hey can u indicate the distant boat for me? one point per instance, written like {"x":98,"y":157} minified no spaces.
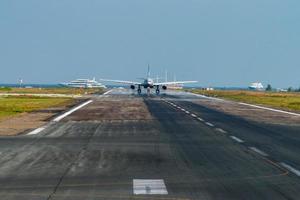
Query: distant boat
{"x":256,"y":86}
{"x":84,"y":83}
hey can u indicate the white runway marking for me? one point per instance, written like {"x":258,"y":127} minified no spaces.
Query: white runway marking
{"x":236,"y":139}
{"x":36,"y":131}
{"x":221,"y":130}
{"x":149,"y":186}
{"x":209,"y":124}
{"x":193,"y":115}
{"x":200,"y":119}
{"x":271,"y":109}
{"x":187,"y":112}
{"x":290,"y":168}
{"x":109,"y":91}
{"x":57,"y":119}
{"x":258,"y":151}
{"x":206,"y":97}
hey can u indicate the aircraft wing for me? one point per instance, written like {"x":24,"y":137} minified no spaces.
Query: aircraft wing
{"x":175,"y":82}
{"x":122,"y":82}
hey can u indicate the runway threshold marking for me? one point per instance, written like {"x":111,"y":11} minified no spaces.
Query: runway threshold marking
{"x":236,"y":139}
{"x":57,"y":119}
{"x":258,"y":151}
{"x":290,"y":168}
{"x":149,"y":187}
{"x":36,"y":131}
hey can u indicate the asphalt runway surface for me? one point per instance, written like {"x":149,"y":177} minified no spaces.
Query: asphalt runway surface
{"x":167,"y":147}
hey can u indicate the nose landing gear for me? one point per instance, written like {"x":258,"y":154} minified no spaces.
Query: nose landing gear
{"x":157,"y":90}
{"x":139,"y":90}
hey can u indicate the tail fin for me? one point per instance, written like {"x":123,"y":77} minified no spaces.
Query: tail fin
{"x":148,"y":74}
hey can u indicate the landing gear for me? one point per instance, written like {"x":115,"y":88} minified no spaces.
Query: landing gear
{"x":157,"y":90}
{"x":139,"y":90}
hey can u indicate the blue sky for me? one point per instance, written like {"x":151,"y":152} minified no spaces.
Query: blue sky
{"x":219,"y":43}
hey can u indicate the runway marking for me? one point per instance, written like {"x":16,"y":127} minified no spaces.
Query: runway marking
{"x":258,"y":151}
{"x":221,"y":130}
{"x":109,"y":91}
{"x":290,"y":168}
{"x":149,"y":186}
{"x":187,"y":112}
{"x":236,"y":139}
{"x":206,"y":97}
{"x":209,"y":124}
{"x":193,"y":115}
{"x":36,"y":131}
{"x":200,"y":119}
{"x":57,"y":119}
{"x":271,"y":109}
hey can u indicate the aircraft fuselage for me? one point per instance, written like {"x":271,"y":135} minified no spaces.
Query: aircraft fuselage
{"x":148,"y":83}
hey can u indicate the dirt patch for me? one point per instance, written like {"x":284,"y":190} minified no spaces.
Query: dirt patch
{"x":110,"y":109}
{"x":27,"y":121}
{"x":250,"y":113}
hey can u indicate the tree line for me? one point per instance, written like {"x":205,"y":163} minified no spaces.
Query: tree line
{"x":290,"y":89}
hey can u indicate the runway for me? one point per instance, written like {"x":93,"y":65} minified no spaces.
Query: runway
{"x":167,"y":147}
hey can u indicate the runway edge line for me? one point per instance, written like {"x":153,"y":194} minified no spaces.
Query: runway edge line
{"x":57,"y":119}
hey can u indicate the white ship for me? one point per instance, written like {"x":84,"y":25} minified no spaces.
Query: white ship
{"x":256,"y":86}
{"x":84,"y":83}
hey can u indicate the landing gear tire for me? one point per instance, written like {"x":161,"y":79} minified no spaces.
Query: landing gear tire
{"x":157,"y":92}
{"x":139,"y":91}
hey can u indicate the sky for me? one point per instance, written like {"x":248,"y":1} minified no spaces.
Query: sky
{"x":228,"y":43}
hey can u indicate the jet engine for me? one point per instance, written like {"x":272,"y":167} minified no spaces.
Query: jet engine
{"x":132,"y":87}
{"x":164,"y":87}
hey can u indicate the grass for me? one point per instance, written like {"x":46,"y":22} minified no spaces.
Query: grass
{"x":5,"y":89}
{"x":281,"y":100}
{"x":10,"y":106}
{"x":63,"y":90}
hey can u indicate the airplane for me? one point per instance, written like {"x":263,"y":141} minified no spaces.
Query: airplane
{"x":148,"y":83}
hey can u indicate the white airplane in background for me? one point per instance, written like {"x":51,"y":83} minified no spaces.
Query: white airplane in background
{"x":148,"y":83}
